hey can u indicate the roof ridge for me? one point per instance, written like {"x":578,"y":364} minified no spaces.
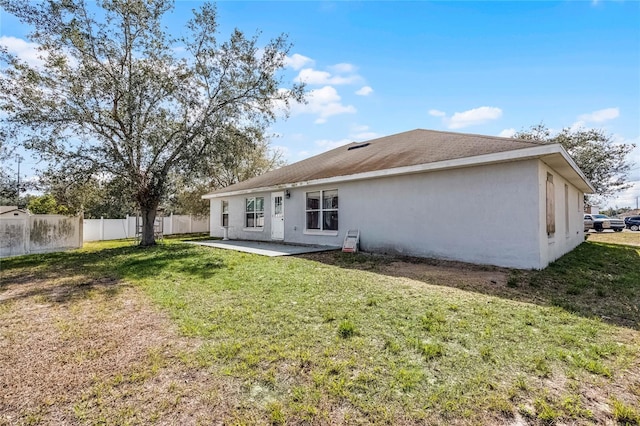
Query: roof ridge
{"x":477,"y":135}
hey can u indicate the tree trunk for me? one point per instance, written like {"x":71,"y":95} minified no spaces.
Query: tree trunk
{"x":148,"y":219}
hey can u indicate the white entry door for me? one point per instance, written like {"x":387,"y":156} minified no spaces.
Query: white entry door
{"x":277,"y":215}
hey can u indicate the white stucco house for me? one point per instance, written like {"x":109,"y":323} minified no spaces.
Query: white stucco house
{"x":472,"y":198}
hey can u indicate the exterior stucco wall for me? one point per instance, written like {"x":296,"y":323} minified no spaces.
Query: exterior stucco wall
{"x":485,"y":214}
{"x":237,"y":230}
{"x":569,"y":217}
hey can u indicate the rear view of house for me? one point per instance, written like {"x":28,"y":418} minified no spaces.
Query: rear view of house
{"x":473,"y":198}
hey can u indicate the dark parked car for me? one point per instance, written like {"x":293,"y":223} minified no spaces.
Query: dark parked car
{"x":602,"y":222}
{"x":632,"y":222}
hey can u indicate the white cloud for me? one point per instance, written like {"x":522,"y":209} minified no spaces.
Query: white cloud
{"x":577,"y":126}
{"x":280,"y":106}
{"x":364,"y":136}
{"x":327,"y":144}
{"x":626,"y":198}
{"x":359,"y":128}
{"x":601,"y":115}
{"x":507,"y":133}
{"x":325,"y":102}
{"x":297,"y":61}
{"x":364,"y":91}
{"x":315,"y":77}
{"x":474,"y":117}
{"x":24,"y":50}
{"x":596,"y":117}
{"x":343,"y":68}
{"x":437,"y":113}
{"x":357,"y":133}
{"x":325,"y":94}
{"x":360,"y":132}
{"x":633,"y":158}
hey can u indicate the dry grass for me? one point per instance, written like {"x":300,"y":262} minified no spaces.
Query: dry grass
{"x":626,"y":237}
{"x":83,"y":350}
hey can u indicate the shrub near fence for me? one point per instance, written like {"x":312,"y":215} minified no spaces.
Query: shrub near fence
{"x":115,"y":229}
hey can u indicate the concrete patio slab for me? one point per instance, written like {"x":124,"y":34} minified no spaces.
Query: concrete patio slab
{"x":264,"y":248}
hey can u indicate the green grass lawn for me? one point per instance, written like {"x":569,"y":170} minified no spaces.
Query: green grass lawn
{"x":341,"y":341}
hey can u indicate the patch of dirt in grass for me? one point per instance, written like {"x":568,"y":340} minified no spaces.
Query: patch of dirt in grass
{"x":466,"y":276}
{"x":83,"y":350}
{"x":453,"y":273}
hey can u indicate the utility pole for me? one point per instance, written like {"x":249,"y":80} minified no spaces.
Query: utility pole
{"x":18,"y":181}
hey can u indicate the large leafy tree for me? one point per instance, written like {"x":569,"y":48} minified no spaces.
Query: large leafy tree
{"x":91,"y":194}
{"x":603,"y":161}
{"x":46,"y":204}
{"x":115,"y":96}
{"x":240,"y":161}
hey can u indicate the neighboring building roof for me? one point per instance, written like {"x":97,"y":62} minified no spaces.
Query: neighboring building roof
{"x":12,"y":211}
{"x":4,"y":209}
{"x":407,"y":152}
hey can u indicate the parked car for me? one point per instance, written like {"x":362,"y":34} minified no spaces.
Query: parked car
{"x":588,"y":222}
{"x":632,"y":222}
{"x":602,"y":222}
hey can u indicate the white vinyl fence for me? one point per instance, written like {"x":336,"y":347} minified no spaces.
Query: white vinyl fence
{"x":115,"y":229}
{"x":41,"y":233}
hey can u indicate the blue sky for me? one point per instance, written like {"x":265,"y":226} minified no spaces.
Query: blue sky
{"x":378,"y":68}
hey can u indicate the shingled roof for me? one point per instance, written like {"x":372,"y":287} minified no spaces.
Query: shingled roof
{"x":412,"y":148}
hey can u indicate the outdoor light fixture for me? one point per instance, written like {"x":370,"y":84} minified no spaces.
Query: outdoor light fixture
{"x":287,"y":194}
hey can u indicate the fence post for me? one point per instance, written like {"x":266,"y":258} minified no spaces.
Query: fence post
{"x":101,"y":228}
{"x":190,"y":224}
{"x":126,"y":226}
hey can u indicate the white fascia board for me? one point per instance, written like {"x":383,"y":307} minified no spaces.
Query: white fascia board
{"x":575,"y":167}
{"x":498,"y":157}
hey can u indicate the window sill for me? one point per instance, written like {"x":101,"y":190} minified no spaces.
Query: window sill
{"x":253,"y":229}
{"x":324,"y":233}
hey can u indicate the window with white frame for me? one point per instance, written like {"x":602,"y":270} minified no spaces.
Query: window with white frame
{"x":322,"y":210}
{"x":254,"y":212}
{"x":225,"y":213}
